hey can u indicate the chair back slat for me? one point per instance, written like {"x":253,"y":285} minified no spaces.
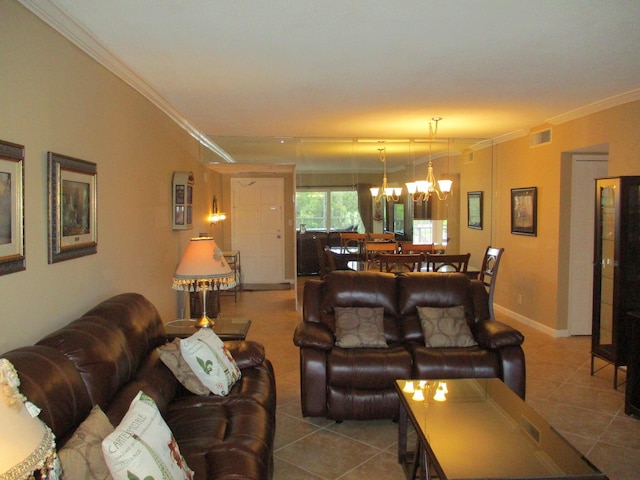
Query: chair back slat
{"x":448,"y":263}
{"x":489,"y":272}
{"x":400,"y":262}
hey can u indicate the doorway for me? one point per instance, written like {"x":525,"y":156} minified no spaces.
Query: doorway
{"x":585,"y":168}
{"x":258,"y":228}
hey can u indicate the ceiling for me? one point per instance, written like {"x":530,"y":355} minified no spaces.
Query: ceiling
{"x":320,"y":83}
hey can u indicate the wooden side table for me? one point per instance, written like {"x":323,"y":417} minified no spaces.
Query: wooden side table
{"x":225,"y":328}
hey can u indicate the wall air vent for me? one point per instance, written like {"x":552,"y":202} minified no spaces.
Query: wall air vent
{"x":540,"y":138}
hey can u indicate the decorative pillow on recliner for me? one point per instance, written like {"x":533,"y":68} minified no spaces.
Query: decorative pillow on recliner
{"x":445,"y":327}
{"x":360,"y":327}
{"x":143,"y":447}
{"x":210,"y":360}
{"x":170,"y":355}
{"x":81,"y":457}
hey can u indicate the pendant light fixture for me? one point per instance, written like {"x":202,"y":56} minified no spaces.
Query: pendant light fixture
{"x":422,"y":190}
{"x":391,"y":193}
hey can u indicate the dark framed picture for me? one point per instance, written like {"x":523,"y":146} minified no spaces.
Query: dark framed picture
{"x":12,"y":254}
{"x":524,"y":211}
{"x":474,"y":208}
{"x":73,"y":209}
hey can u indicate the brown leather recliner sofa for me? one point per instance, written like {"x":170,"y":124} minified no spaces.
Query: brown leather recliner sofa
{"x":109,"y":354}
{"x":358,"y":383}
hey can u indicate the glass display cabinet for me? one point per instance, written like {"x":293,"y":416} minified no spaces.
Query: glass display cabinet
{"x":616,"y":273}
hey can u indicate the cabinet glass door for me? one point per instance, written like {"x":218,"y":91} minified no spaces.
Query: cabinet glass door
{"x":607,"y":240}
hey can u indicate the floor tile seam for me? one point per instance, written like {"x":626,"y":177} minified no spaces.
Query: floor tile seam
{"x":315,"y":475}
{"x":362,"y":463}
{"x":615,"y":445}
{"x":293,"y":442}
{"x":356,"y":440}
{"x":585,"y":409}
{"x":568,"y":381}
{"x":599,"y":439}
{"x":304,"y":419}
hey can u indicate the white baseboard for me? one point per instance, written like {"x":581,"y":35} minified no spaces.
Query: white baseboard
{"x":531,"y":323}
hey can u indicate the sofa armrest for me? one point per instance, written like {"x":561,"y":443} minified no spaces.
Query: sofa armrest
{"x":313,"y":335}
{"x":493,"y":334}
{"x":246,"y":353}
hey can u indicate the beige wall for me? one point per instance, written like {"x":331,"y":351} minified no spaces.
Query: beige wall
{"x":55,"y":98}
{"x":536,"y":267}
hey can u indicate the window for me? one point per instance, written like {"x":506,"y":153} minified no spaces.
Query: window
{"x":328,"y":210}
{"x":430,"y":231}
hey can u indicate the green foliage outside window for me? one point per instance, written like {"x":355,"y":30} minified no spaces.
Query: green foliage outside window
{"x":328,"y":210}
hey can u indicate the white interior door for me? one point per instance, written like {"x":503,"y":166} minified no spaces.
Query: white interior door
{"x":583,"y":190}
{"x":258,"y":228}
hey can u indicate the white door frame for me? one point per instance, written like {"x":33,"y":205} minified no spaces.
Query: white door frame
{"x":584,"y":169}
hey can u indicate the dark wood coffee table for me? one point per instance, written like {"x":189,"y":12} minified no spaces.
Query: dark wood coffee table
{"x":482,"y":430}
{"x":225,"y":328}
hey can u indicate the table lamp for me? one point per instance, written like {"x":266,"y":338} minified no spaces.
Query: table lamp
{"x":203,"y":268}
{"x":27,"y":445}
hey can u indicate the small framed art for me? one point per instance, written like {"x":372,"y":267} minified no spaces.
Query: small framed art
{"x":73,"y":209}
{"x":474,"y":206}
{"x":12,"y":254}
{"x":524,"y":211}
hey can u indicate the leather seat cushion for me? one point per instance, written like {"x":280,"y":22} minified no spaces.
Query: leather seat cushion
{"x":367,"y":368}
{"x":462,"y":362}
{"x":212,"y":434}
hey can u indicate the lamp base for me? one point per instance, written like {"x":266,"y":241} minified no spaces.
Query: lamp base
{"x":204,"y":322}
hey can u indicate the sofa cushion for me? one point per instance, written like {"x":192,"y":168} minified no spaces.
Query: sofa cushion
{"x":367,"y":368}
{"x":360,"y":327}
{"x":221,"y":436}
{"x":445,"y":327}
{"x":81,"y":458}
{"x":456,"y":362}
{"x":170,"y":355}
{"x":210,"y":360}
{"x":142,"y":445}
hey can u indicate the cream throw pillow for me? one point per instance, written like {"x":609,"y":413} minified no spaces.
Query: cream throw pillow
{"x":81,"y":457}
{"x":210,"y":360}
{"x":143,"y":447}
{"x":445,"y":327}
{"x":170,"y":355}
{"x":360,"y":327}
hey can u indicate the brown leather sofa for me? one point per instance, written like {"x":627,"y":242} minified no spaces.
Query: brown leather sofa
{"x":358,"y":383}
{"x":109,"y":354}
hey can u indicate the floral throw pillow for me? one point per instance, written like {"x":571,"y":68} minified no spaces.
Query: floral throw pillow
{"x":81,"y":457}
{"x":445,"y":327}
{"x":170,"y":355}
{"x":210,"y":360}
{"x":358,"y":327}
{"x":143,"y":447}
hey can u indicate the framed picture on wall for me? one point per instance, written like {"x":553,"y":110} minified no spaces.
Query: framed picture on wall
{"x":474,"y":208}
{"x":524,"y":211}
{"x":12,"y":254}
{"x":73,"y":209}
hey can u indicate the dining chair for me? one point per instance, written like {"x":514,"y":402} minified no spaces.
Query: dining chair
{"x":410,"y":247}
{"x":350,"y":242}
{"x":447,"y":263}
{"x":374,"y":249}
{"x":382,"y":237}
{"x":400,"y":262}
{"x":489,"y":273}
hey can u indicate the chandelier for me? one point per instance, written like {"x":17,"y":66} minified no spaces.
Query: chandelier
{"x":421,"y":190}
{"x":391,"y":193}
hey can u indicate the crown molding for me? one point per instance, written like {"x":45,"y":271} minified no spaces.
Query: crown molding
{"x":59,"y":20}
{"x":596,"y":107}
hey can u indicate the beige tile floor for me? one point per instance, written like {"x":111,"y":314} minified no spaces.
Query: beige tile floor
{"x":585,"y":409}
